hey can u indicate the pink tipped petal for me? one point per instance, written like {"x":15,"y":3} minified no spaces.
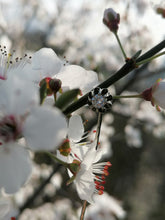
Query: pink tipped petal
{"x":76,"y":128}
{"x":15,"y":167}
{"x":47,"y":61}
{"x":45,"y":128}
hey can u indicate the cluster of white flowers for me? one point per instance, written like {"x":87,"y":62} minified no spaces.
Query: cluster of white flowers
{"x":30,"y":121}
{"x":26,"y":126}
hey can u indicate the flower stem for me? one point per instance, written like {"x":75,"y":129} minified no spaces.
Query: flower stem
{"x":55,"y":158}
{"x":150,"y":59}
{"x":83,"y":210}
{"x":127,"y":96}
{"x":120,"y":45}
{"x":99,"y":121}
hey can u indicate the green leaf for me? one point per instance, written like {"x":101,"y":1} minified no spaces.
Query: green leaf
{"x":67,"y":98}
{"x":43,"y":92}
{"x":137,"y":54}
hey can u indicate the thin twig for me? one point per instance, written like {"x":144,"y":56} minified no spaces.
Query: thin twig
{"x":83,"y":210}
{"x":98,"y":128}
{"x":125,"y":69}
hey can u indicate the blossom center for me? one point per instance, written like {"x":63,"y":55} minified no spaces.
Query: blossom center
{"x":10,"y":129}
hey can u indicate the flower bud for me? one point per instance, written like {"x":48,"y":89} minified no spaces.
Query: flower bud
{"x":156,"y":94}
{"x":161,"y":11}
{"x":111,"y":19}
{"x":55,"y":85}
{"x":52,"y":85}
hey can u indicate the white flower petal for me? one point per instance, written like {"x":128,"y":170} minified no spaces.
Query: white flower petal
{"x":4,"y":207}
{"x":47,"y":61}
{"x":76,"y":128}
{"x":85,"y":185}
{"x":158,"y":94}
{"x":15,"y":167}
{"x":90,"y":156}
{"x":77,"y":77}
{"x":17,"y":96}
{"x":27,"y":73}
{"x":45,"y":128}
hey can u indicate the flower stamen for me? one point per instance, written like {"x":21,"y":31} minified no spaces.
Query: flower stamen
{"x":100,"y":168}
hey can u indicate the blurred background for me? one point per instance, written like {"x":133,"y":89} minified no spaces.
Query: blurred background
{"x":132,"y":134}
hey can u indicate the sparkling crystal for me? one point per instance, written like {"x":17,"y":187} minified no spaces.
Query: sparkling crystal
{"x":98,"y":101}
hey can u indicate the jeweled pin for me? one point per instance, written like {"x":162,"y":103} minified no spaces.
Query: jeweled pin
{"x":100,"y":100}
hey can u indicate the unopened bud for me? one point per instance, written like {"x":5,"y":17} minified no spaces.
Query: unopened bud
{"x":111,"y":19}
{"x":161,"y":11}
{"x":147,"y":94}
{"x":52,"y":85}
{"x":55,"y":85}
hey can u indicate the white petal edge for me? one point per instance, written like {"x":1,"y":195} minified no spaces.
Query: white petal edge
{"x":74,"y":76}
{"x":47,"y":61}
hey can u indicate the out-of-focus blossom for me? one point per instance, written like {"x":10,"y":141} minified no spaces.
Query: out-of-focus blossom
{"x":133,"y":136}
{"x":74,"y":76}
{"x":111,"y":19}
{"x":43,"y":129}
{"x":60,"y":209}
{"x":7,"y":211}
{"x":4,"y":207}
{"x":106,"y":208}
{"x":155,"y":94}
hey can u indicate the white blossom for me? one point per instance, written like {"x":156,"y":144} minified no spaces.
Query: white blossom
{"x":43,"y":129}
{"x":45,"y":63}
{"x":106,"y":208}
{"x":90,"y":177}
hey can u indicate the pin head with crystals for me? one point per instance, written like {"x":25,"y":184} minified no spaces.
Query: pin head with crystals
{"x":100,"y":100}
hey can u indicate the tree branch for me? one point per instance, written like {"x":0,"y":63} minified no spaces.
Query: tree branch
{"x":125,"y":69}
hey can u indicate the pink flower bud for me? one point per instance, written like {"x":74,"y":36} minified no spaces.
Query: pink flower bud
{"x":111,"y":19}
{"x":156,"y":94}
